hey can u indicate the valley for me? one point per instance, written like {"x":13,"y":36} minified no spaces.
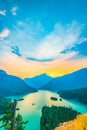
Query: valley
{"x":35,"y":98}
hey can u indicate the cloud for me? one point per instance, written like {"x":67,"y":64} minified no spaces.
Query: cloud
{"x":3,"y":12}
{"x":4,"y":33}
{"x":38,"y":45}
{"x":16,"y":50}
{"x":38,"y":60}
{"x":60,"y":39}
{"x":14,"y":10}
{"x":84,"y":39}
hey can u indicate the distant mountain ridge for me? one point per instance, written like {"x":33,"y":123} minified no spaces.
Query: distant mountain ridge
{"x":38,"y":81}
{"x":12,"y":85}
{"x":77,"y":79}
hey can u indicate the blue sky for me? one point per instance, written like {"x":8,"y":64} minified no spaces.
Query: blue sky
{"x":43,"y":30}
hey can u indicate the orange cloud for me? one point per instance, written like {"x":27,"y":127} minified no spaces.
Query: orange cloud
{"x":23,"y":68}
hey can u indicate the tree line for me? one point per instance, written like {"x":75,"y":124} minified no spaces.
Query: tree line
{"x":79,"y":94}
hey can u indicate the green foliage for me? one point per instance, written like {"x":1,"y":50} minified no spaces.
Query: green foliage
{"x":53,"y":116}
{"x":21,"y":99}
{"x":19,"y":123}
{"x":11,"y":121}
{"x":80,"y":94}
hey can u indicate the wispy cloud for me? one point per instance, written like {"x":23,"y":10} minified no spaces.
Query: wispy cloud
{"x":3,"y":12}
{"x":14,"y":10}
{"x":61,"y":38}
{"x":37,"y":45}
{"x":4,"y":33}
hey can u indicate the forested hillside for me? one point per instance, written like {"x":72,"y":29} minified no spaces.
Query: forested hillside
{"x":53,"y":116}
{"x":79,"y":94}
{"x":3,"y":103}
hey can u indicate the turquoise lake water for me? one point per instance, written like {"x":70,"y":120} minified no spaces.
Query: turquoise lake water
{"x":31,"y":106}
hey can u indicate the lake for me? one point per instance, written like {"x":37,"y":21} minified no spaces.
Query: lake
{"x":31,"y":106}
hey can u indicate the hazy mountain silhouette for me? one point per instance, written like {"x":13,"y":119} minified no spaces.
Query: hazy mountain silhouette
{"x":38,"y":81}
{"x":12,"y":85}
{"x":74,"y":80}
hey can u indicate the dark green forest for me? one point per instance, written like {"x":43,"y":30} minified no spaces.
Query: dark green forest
{"x":79,"y":94}
{"x":53,"y":116}
{"x":3,"y":103}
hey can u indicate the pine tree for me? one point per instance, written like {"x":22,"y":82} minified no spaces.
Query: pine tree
{"x":11,"y":121}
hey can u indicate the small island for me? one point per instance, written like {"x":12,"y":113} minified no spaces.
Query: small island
{"x":54,"y":98}
{"x":60,"y":99}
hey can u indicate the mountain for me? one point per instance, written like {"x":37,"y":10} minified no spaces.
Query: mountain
{"x":74,"y":80}
{"x":80,"y":123}
{"x":12,"y":85}
{"x":38,"y":81}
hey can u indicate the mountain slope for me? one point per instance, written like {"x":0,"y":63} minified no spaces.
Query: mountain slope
{"x":12,"y":85}
{"x":80,"y":123}
{"x":74,"y":80}
{"x":38,"y":81}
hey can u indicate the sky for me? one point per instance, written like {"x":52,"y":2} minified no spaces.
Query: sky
{"x":43,"y":36}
